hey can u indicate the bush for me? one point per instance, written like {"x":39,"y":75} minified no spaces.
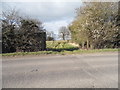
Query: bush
{"x":28,"y":37}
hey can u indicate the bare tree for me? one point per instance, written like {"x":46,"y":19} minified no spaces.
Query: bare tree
{"x":64,"y":33}
{"x":10,"y":20}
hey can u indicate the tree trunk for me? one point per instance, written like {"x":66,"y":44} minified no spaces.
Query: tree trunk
{"x":91,"y":46}
{"x":63,"y":37}
{"x":83,"y":43}
{"x":87,"y":44}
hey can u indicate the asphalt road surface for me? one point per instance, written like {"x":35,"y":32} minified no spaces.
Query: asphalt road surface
{"x":69,"y":71}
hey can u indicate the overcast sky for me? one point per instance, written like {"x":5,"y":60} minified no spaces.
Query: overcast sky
{"x":52,"y":14}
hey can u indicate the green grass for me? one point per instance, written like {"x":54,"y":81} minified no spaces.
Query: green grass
{"x":28,"y":53}
{"x":59,"y":45}
{"x":94,"y":50}
{"x":61,"y":48}
{"x":64,"y":52}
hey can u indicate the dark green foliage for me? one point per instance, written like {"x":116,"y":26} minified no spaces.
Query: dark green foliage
{"x":50,"y":38}
{"x":8,"y":39}
{"x":28,"y":37}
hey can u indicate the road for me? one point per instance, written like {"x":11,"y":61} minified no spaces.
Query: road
{"x":61,"y":71}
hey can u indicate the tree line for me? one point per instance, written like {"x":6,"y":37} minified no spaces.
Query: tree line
{"x":96,"y":25}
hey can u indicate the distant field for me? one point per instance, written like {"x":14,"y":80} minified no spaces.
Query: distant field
{"x":60,"y":47}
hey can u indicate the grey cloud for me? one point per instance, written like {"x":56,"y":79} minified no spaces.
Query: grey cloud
{"x":47,"y":11}
{"x":52,"y":14}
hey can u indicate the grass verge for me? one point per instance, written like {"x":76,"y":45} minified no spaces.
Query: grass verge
{"x":63,"y":52}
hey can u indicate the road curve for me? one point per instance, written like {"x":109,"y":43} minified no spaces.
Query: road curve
{"x":68,"y":71}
